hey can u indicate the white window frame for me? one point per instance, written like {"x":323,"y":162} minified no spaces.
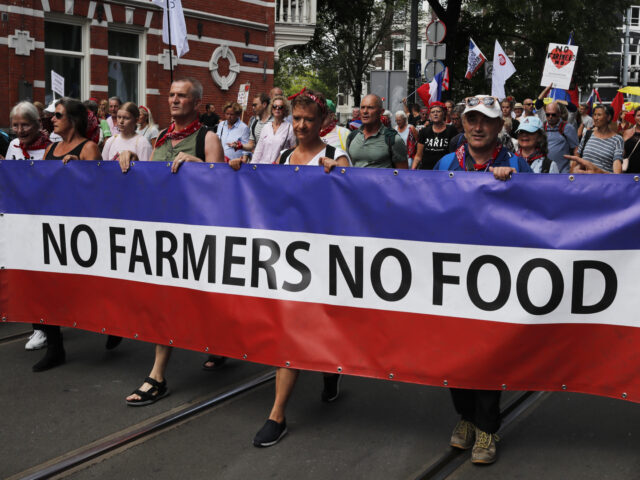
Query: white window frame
{"x":635,"y":10}
{"x":141,"y":32}
{"x":83,"y":54}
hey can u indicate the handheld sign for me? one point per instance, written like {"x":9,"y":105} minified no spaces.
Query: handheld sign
{"x":558,"y":66}
{"x":57,"y":83}
{"x":243,"y":95}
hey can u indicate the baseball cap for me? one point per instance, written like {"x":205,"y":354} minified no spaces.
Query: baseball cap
{"x":530,"y":124}
{"x":485,"y":104}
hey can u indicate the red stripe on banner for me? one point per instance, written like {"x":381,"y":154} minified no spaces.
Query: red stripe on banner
{"x":426,"y":349}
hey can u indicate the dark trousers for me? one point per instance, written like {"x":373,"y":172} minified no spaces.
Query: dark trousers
{"x":480,"y":407}
{"x":54,"y":336}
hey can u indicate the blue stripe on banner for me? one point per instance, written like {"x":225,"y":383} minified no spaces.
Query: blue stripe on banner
{"x":593,"y":212}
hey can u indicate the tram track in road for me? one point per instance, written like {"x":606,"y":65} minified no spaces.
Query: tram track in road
{"x":453,"y":459}
{"x":15,"y":336}
{"x":89,"y":453}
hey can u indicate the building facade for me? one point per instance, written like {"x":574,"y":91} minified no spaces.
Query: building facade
{"x":115,"y":47}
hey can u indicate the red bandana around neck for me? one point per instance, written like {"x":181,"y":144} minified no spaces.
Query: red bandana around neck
{"x":171,"y":133}
{"x":328,"y":128}
{"x":532,"y":158}
{"x":40,"y":143}
{"x":461,"y":154}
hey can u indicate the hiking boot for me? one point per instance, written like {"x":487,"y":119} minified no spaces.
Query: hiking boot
{"x":463,"y":435}
{"x":484,"y":450}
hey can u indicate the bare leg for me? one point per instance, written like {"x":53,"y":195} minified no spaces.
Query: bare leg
{"x":163,"y":353}
{"x":285,"y":381}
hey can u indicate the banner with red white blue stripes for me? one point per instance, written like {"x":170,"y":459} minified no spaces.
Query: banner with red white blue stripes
{"x":428,"y":277}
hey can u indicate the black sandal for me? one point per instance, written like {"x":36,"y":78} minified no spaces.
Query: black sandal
{"x":217,"y":363}
{"x":157,"y":391}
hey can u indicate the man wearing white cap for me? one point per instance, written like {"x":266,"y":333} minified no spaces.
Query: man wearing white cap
{"x":480,"y":409}
{"x":482,"y":122}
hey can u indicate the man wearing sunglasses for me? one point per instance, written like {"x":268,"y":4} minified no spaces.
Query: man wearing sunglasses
{"x":527,"y":111}
{"x":482,"y":122}
{"x":561,"y":136}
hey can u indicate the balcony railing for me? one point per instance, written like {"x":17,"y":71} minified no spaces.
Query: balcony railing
{"x":296,"y":12}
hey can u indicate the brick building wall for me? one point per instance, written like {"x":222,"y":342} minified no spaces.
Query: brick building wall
{"x":245,"y":26}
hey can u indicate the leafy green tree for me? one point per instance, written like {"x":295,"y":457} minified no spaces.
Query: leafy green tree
{"x":347,"y":37}
{"x":524,"y":28}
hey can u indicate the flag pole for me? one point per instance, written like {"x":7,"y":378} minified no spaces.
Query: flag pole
{"x":170,"y":43}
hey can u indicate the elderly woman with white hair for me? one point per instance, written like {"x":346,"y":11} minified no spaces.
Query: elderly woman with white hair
{"x":408,"y":133}
{"x":31,"y":141}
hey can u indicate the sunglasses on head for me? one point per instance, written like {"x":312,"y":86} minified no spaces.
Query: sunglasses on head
{"x":487,"y":101}
{"x":58,"y":115}
{"x":278,"y":107}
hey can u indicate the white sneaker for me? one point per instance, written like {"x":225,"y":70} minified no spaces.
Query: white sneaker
{"x":37,"y":340}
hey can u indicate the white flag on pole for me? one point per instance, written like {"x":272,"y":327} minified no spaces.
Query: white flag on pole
{"x":57,"y":83}
{"x":502,"y":70}
{"x":178,"y":26}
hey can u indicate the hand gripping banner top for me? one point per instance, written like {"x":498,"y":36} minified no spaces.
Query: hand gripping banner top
{"x":437,"y":278}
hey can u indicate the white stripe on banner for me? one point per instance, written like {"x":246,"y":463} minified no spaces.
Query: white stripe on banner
{"x":505,"y":284}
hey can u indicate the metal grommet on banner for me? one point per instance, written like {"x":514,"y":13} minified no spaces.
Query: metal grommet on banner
{"x":244,"y":357}
{"x":395,"y":172}
{"x":42,"y":320}
{"x":339,"y":369}
{"x":624,"y":395}
{"x":564,"y":387}
{"x":4,"y":319}
{"x":571,"y":178}
{"x":2,"y":267}
{"x":504,"y":386}
{"x":255,"y":167}
{"x":168,"y":164}
{"x":344,"y":170}
{"x":135,"y":335}
{"x":1,"y":214}
{"x":391,"y":376}
{"x":170,"y":342}
{"x":75,"y":324}
{"x":287,"y":364}
{"x":206,"y":349}
{"x":636,"y":178}
{"x":31,"y":164}
{"x":450,"y":174}
{"x":103,"y":330}
{"x":100,"y":163}
{"x":296,"y":169}
{"x":445,"y":383}
{"x":211,"y":166}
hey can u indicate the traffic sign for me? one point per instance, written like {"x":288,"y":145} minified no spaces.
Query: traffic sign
{"x":436,"y":31}
{"x":432,"y":68}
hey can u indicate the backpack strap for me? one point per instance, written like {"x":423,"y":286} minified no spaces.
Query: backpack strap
{"x":254,"y":124}
{"x":330,"y":152}
{"x":546,"y":165}
{"x":390,"y":139}
{"x":285,"y":155}
{"x":350,"y":137}
{"x":202,"y":133}
{"x":587,"y":136}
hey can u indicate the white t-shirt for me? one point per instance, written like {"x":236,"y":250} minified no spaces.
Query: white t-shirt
{"x":337,"y":137}
{"x":14,"y":152}
{"x":315,"y":161}
{"x":136,"y":144}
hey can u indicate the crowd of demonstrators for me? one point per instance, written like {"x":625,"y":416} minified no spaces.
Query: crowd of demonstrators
{"x":481,"y":134}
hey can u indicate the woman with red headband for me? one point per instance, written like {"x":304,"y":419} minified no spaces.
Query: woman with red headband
{"x":309,"y":112}
{"x":433,"y":140}
{"x":146,"y":126}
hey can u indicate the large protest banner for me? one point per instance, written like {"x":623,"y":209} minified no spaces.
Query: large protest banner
{"x":428,"y":277}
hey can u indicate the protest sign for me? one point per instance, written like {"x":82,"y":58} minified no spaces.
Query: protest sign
{"x":558,"y":66}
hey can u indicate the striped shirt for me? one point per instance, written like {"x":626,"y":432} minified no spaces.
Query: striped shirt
{"x":602,"y":152}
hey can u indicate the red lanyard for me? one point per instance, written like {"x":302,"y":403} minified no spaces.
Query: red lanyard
{"x":461,"y":154}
